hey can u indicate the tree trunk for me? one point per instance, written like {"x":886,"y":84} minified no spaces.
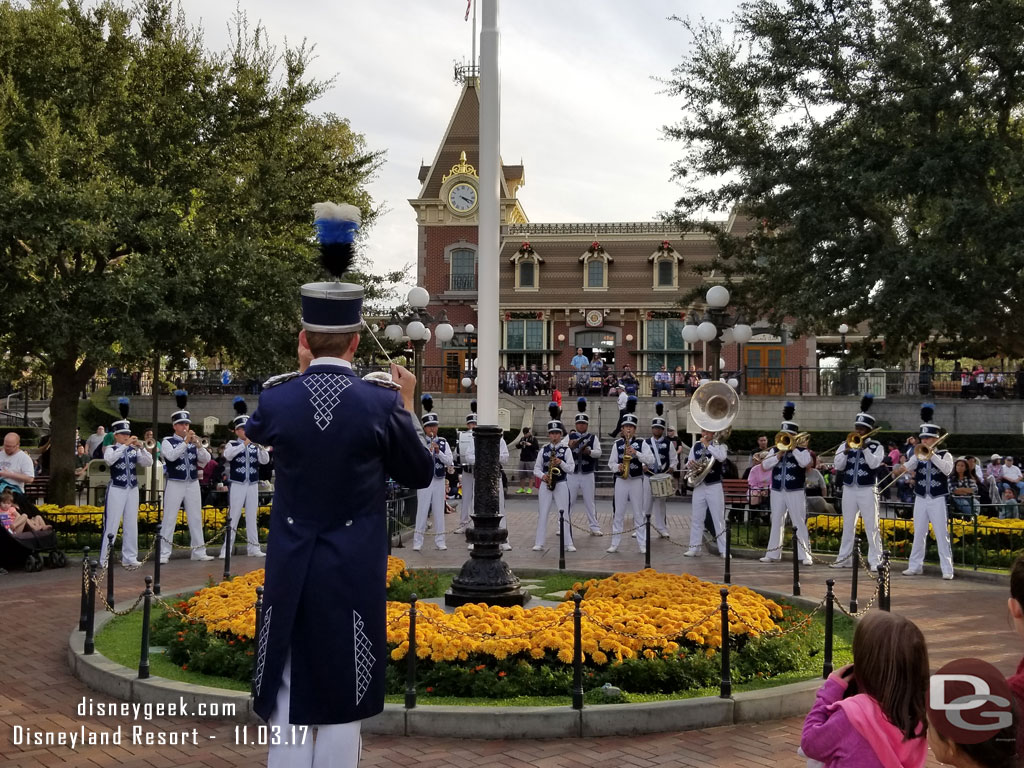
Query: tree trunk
{"x":67,"y":384}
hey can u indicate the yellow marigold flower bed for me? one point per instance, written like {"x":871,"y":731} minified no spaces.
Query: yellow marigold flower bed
{"x":87,"y":514}
{"x":626,"y":615}
{"x":231,"y":605}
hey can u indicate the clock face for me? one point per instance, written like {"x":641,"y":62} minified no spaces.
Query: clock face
{"x":462,"y":197}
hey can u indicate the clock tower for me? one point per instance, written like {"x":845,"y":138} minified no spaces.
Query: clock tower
{"x":447,"y":217}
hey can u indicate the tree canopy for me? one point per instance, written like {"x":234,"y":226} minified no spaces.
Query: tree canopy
{"x":876,"y":148}
{"x":156,"y":196}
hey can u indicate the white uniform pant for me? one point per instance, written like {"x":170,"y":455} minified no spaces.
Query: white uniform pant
{"x":244,"y":495}
{"x":468,"y":498}
{"x":430,"y":500}
{"x":336,"y":746}
{"x":122,"y":503}
{"x":583,"y":483}
{"x":629,"y":492}
{"x":553,"y":501}
{"x":656,"y":508}
{"x":708,"y":498}
{"x":931,"y":509}
{"x":863,"y":501}
{"x":795,"y":504}
{"x":176,"y":492}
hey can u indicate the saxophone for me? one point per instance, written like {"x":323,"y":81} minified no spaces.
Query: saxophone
{"x":626,"y":460}
{"x":554,"y":473}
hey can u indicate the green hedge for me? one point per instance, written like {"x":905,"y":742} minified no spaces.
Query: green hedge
{"x":29,"y":435}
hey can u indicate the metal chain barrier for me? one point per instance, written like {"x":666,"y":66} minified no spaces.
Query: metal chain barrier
{"x":863,"y":610}
{"x":802,"y":624}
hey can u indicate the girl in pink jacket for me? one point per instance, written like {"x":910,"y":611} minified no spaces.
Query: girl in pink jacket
{"x":872,"y":714}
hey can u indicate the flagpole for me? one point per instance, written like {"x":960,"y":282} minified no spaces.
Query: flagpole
{"x":490,"y":214}
{"x":473,"y":62}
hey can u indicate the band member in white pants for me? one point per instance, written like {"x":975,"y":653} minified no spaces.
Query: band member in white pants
{"x":121,"y":508}
{"x":586,"y":450}
{"x":183,"y":456}
{"x":787,"y":496}
{"x":430,"y":500}
{"x":931,"y":487}
{"x":859,"y":468}
{"x":708,"y":495}
{"x":467,"y":455}
{"x":659,"y":456}
{"x":554,"y":464}
{"x":244,"y":458}
{"x":629,"y":490}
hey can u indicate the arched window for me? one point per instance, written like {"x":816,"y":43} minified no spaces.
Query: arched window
{"x":666,"y":262}
{"x":595,"y":267}
{"x":463,"y":270}
{"x":526,"y":264}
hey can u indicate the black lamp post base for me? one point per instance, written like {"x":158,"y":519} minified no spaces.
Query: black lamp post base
{"x":486,"y":577}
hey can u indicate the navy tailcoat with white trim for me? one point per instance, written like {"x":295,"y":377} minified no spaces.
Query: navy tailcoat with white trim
{"x":336,"y":439}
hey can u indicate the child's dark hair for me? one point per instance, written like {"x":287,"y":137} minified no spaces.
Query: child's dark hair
{"x":7,"y":496}
{"x":1000,"y":751}
{"x":891,"y":665}
{"x":1017,"y":580}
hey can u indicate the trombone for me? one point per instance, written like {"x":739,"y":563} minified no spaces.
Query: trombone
{"x":787,"y":442}
{"x":854,"y":442}
{"x":923,"y":453}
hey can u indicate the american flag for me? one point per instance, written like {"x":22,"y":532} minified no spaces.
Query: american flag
{"x":469,"y":4}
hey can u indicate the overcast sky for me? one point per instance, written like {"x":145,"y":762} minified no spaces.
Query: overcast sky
{"x":580,"y":103}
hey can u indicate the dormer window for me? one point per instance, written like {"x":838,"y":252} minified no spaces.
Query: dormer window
{"x":666,"y":263}
{"x":526,"y":264}
{"x":595,"y":267}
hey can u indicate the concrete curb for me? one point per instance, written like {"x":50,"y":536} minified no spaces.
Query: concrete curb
{"x":111,"y":679}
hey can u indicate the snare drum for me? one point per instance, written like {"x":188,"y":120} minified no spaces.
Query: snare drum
{"x":662,"y":485}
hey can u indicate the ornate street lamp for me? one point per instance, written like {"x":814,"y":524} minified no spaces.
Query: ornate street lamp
{"x":715,"y":328}
{"x":470,"y":375}
{"x":415,"y":327}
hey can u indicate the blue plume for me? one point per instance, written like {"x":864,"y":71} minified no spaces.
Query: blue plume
{"x":866,"y":401}
{"x":241,"y":407}
{"x":631,"y":404}
{"x":659,"y":407}
{"x":181,"y":397}
{"x":789,"y":410}
{"x":428,"y":402}
{"x":581,"y":404}
{"x":122,"y":406}
{"x":927,"y":411}
{"x":554,"y":410}
{"x":336,"y":229}
{"x":330,"y":231}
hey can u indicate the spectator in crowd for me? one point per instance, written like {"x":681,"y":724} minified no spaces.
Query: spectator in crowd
{"x":994,"y":468}
{"x":1016,"y":606}
{"x":581,"y":364}
{"x":522,"y":380}
{"x":43,"y":459}
{"x":16,"y":467}
{"x":964,"y":488}
{"x":758,"y":480}
{"x":14,"y":520}
{"x":678,"y":380}
{"x":662,"y":382}
{"x":1011,"y":475}
{"x":974,"y":470}
{"x":623,"y":402}
{"x":681,"y":450}
{"x":873,"y":712}
{"x":905,"y":487}
{"x":814,"y":490}
{"x":81,"y":463}
{"x":597,"y":367}
{"x":692,"y":380}
{"x":528,"y":450}
{"x":95,"y":440}
{"x":610,"y":385}
{"x":925,"y":377}
{"x":1009,"y":508}
{"x":909,"y":446}
{"x":628,"y":381}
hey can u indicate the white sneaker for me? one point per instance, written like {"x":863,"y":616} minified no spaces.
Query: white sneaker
{"x":538,"y":548}
{"x":947,"y":576}
{"x":597,"y":532}
{"x":840,"y":565}
{"x":259,"y":553}
{"x":570,"y":548}
{"x":201,"y":558}
{"x":131,"y":563}
{"x":506,"y":547}
{"x":469,"y":547}
{"x":633,"y":534}
{"x":461,"y":529}
{"x":220,"y":556}
{"x":722,"y":555}
{"x":416,"y":549}
{"x":441,"y":547}
{"x":808,"y":561}
{"x":612,"y":550}
{"x":164,"y":560}
{"x":643,"y":550}
{"x":663,"y":535}
{"x":767,"y":559}
{"x":912,"y":572}
{"x":691,"y":553}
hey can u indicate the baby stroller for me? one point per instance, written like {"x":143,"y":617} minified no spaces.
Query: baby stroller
{"x":30,"y":550}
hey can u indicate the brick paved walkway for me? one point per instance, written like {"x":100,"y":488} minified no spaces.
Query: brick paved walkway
{"x":37,"y":611}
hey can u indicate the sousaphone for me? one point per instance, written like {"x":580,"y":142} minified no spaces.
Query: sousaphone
{"x":713,"y":407}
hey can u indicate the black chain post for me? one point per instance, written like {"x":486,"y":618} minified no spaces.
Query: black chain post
{"x":796,"y":564}
{"x":577,"y":652}
{"x":856,"y":567}
{"x":110,"y":570}
{"x":728,"y":552}
{"x":259,"y":629}
{"x":147,"y":599}
{"x":158,"y":554}
{"x":83,"y":614}
{"x":647,"y":544}
{"x":410,"y":657}
{"x":826,"y":667}
{"x":886,"y":597}
{"x":90,"y":624}
{"x":561,"y":539}
{"x":725,"y":691}
{"x":228,"y":546}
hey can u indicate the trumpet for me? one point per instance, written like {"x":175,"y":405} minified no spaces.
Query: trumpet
{"x":150,"y":444}
{"x":787,"y":442}
{"x":202,"y":442}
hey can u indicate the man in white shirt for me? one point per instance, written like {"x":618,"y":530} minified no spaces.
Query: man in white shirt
{"x":94,"y":440}
{"x":16,"y":467}
{"x":1011,"y":476}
